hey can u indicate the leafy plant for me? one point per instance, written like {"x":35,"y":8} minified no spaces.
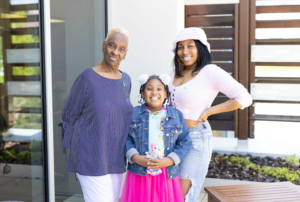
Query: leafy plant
{"x":216,"y":159}
{"x":282,"y":173}
{"x":291,"y":160}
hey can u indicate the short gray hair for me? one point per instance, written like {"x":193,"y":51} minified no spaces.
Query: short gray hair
{"x":120,"y":30}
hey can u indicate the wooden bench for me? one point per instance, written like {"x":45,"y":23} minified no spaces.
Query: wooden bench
{"x":261,"y":192}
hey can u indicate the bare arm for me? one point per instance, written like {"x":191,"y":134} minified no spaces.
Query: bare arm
{"x":140,"y":159}
{"x":229,"y":105}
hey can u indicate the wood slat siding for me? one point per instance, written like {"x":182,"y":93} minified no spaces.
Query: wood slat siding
{"x":221,"y":124}
{"x":278,"y":42}
{"x":23,"y":31}
{"x":219,"y":32}
{"x":209,"y":9}
{"x":26,"y":45}
{"x":277,"y":9}
{"x":278,"y":24}
{"x":266,"y":192}
{"x":30,"y":18}
{"x":223,"y":116}
{"x":223,"y":56}
{"x":210,"y":21}
{"x":221,"y":44}
{"x":219,"y":99}
{"x":24,"y":7}
{"x":228,"y":67}
{"x":253,"y":79}
{"x":277,"y":63}
{"x":195,"y":16}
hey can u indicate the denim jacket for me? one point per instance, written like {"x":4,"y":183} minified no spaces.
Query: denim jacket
{"x":176,"y":140}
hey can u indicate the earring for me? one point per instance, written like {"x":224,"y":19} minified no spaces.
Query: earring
{"x":141,"y":100}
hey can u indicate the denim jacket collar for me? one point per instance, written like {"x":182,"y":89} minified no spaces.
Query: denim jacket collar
{"x":170,"y":112}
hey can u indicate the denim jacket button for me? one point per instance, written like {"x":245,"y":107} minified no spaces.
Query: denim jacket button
{"x":166,"y":118}
{"x":168,"y":148}
{"x":167,"y":134}
{"x":171,"y":176}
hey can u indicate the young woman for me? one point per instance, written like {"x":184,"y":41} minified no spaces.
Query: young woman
{"x":195,"y":83}
{"x":160,"y":129}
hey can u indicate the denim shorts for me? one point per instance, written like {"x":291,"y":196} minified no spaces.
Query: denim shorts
{"x":194,"y":166}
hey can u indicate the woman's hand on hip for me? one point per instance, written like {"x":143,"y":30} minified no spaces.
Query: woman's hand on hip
{"x":229,"y":105}
{"x":155,"y":164}
{"x":203,"y":117}
{"x":141,"y":160}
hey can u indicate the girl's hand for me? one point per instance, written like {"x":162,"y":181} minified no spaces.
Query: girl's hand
{"x":155,"y":164}
{"x":140,"y":159}
{"x":203,"y":117}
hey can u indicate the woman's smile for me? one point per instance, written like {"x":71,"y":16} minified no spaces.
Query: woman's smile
{"x":112,"y":58}
{"x":186,"y":59}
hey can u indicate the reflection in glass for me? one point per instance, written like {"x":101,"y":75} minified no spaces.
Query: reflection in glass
{"x":277,"y":16}
{"x":277,"y":71}
{"x":77,"y":35}
{"x":281,"y":109}
{"x":277,"y":33}
{"x":276,"y":2}
{"x":21,"y":139}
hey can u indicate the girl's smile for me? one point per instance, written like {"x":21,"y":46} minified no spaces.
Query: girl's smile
{"x":154,"y":94}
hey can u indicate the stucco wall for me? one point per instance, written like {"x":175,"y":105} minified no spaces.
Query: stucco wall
{"x":152,"y":26}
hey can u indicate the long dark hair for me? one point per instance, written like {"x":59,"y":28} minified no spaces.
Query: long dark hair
{"x":204,"y":58}
{"x":142,"y":88}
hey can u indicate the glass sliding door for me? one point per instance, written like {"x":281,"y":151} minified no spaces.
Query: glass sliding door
{"x":77,"y":34}
{"x":21,"y":128}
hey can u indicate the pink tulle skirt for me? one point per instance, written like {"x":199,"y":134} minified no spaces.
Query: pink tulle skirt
{"x":151,"y":188}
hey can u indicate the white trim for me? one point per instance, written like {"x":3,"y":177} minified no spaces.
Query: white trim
{"x":205,"y":2}
{"x":49,"y":108}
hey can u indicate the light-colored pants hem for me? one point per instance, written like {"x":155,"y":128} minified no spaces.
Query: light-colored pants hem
{"x":104,"y":188}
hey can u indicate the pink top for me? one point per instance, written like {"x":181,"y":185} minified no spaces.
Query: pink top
{"x":196,"y":95}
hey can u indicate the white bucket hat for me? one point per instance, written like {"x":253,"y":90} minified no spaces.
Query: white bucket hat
{"x":191,"y":33}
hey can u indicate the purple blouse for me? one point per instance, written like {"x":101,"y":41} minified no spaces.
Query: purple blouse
{"x":96,"y":119}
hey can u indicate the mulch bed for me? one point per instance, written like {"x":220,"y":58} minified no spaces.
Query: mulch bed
{"x":222,"y":170}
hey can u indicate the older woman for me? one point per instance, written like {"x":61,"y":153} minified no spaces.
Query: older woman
{"x":194,"y":85}
{"x":96,"y":119}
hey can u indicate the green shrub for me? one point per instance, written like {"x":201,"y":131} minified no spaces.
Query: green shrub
{"x":291,"y":160}
{"x":277,"y":172}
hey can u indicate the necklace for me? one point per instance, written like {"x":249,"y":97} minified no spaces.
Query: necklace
{"x":154,"y":114}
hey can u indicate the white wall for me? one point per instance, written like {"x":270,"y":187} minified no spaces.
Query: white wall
{"x":152,"y":25}
{"x":202,"y":2}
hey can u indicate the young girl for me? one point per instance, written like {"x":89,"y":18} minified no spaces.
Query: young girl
{"x":158,"y":128}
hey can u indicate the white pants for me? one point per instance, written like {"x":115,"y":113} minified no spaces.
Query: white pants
{"x":104,"y":188}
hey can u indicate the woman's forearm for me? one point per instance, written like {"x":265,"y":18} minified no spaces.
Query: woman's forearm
{"x":229,"y":105}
